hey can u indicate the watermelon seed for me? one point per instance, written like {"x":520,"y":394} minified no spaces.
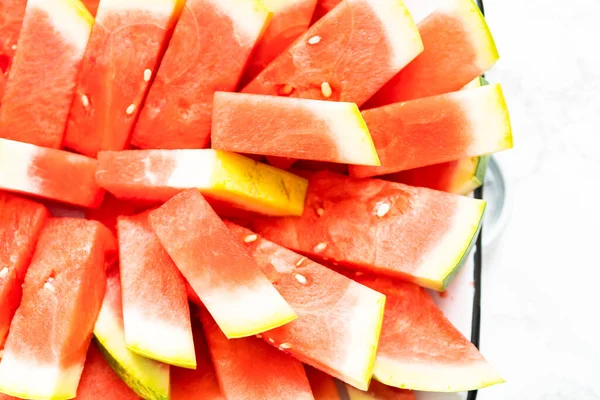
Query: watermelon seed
{"x":14,"y":47}
{"x":320,"y":247}
{"x":284,"y":346}
{"x":271,"y":340}
{"x":320,"y":212}
{"x":259,"y":336}
{"x":49,"y":284}
{"x":300,"y":278}
{"x":286,"y":90}
{"x":147,"y":75}
{"x":358,"y":273}
{"x":85,"y":101}
{"x":250,"y":238}
{"x":4,"y":272}
{"x":314,"y":40}
{"x":300,"y":261}
{"x":382,"y":209}
{"x":130,"y":109}
{"x":326,"y":89}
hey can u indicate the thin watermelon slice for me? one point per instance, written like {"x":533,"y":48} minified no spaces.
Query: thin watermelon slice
{"x":208,"y":52}
{"x":148,"y":378}
{"x":291,"y":19}
{"x":346,"y":315}
{"x":250,"y":369}
{"x":388,"y":228}
{"x":334,"y":59}
{"x":419,"y":348}
{"x":458,"y":48}
{"x":20,"y":223}
{"x":158,"y":175}
{"x":323,"y":386}
{"x":228,"y":281}
{"x":126,"y":45}
{"x":52,"y":328}
{"x":11,"y":18}
{"x":91,"y":5}
{"x":295,"y":128}
{"x":49,"y":173}
{"x":438,"y":129}
{"x":41,"y":82}
{"x":379,"y":391}
{"x":156,"y":313}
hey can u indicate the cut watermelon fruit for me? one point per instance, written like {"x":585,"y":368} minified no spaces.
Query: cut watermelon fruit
{"x":458,"y":48}
{"x":156,"y":313}
{"x":158,"y":175}
{"x":323,"y":386}
{"x":250,"y":369}
{"x":334,"y":59}
{"x":379,"y":391}
{"x":41,"y":82}
{"x":125,"y":48}
{"x":52,"y":328}
{"x":347,"y":315}
{"x":389,"y":228}
{"x":111,"y":209}
{"x":147,"y":378}
{"x":91,"y":5}
{"x":294,"y":128}
{"x":20,"y":223}
{"x":239,"y":297}
{"x":438,"y":129}
{"x":208,"y":52}
{"x":291,"y":19}
{"x":49,"y":173}
{"x":419,"y":348}
{"x":11,"y":18}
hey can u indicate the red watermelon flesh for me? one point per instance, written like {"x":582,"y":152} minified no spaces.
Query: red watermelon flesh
{"x":49,"y":173}
{"x":20,"y":223}
{"x":125,"y":48}
{"x":250,"y":369}
{"x":438,"y":129}
{"x":11,"y":18}
{"x":323,"y":386}
{"x":374,"y":225}
{"x":334,"y":59}
{"x":346,"y":315}
{"x":208,"y":52}
{"x":62,"y":294}
{"x":41,"y":82}
{"x":91,"y":5}
{"x":228,"y":281}
{"x":379,"y":391}
{"x":291,"y":19}
{"x":419,"y":348}
{"x":323,"y":7}
{"x":113,"y":208}
{"x":156,"y":313}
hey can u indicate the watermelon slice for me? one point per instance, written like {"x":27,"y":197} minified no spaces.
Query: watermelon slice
{"x":458,"y":48}
{"x":250,"y":369}
{"x":389,"y":228}
{"x":334,"y":59}
{"x":346,"y":315}
{"x":291,"y":19}
{"x":379,"y":391}
{"x":156,"y":313}
{"x":51,"y":331}
{"x":20,"y":223}
{"x":125,"y":48}
{"x":147,"y":378}
{"x":49,"y":173}
{"x":438,"y":129}
{"x":91,"y":5}
{"x":41,"y":82}
{"x":295,"y":128}
{"x":208,"y":52}
{"x":239,"y":297}
{"x":419,"y":348}
{"x":157,"y":175}
{"x":11,"y":18}
{"x":323,"y":386}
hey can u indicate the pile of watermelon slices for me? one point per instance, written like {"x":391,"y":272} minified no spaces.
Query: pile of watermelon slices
{"x":240,"y":199}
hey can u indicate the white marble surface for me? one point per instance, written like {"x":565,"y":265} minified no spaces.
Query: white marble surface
{"x":541,"y":324}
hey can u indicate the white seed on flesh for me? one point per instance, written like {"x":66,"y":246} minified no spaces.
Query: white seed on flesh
{"x":358,"y":273}
{"x":286,"y":90}
{"x":326,"y":90}
{"x":259,"y":336}
{"x":147,"y":75}
{"x":4,"y":272}
{"x":382,"y":209}
{"x":250,"y":238}
{"x":300,"y":278}
{"x":284,"y":346}
{"x":49,"y":285}
{"x":85,"y":101}
{"x":320,"y":212}
{"x":14,"y":47}
{"x":320,"y":247}
{"x":271,"y":340}
{"x":130,"y":109}
{"x":300,"y":261}
{"x":314,"y":40}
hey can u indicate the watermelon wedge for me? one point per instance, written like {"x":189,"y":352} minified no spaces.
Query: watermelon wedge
{"x":419,"y":348}
{"x":295,"y":128}
{"x":11,"y":18}
{"x":378,"y":391}
{"x":126,"y":45}
{"x":158,"y":175}
{"x":156,"y":313}
{"x":346,"y":315}
{"x":290,"y":19}
{"x":91,"y":5}
{"x":148,"y":378}
{"x":438,"y":129}
{"x":323,"y":386}
{"x":228,"y":281}
{"x":52,"y":328}
{"x":334,"y":59}
{"x":384,"y":227}
{"x":41,"y":82}
{"x":20,"y":223}
{"x":458,"y":48}
{"x":208,"y":52}
{"x":49,"y":173}
{"x":250,"y":369}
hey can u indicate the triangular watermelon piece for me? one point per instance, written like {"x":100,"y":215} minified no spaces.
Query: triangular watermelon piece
{"x":346,"y":315}
{"x":250,"y":369}
{"x":385,"y":227}
{"x":208,"y":52}
{"x":323,"y":386}
{"x":296,"y":128}
{"x":62,"y":294}
{"x":41,"y":82}
{"x":11,"y":18}
{"x":379,"y":391}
